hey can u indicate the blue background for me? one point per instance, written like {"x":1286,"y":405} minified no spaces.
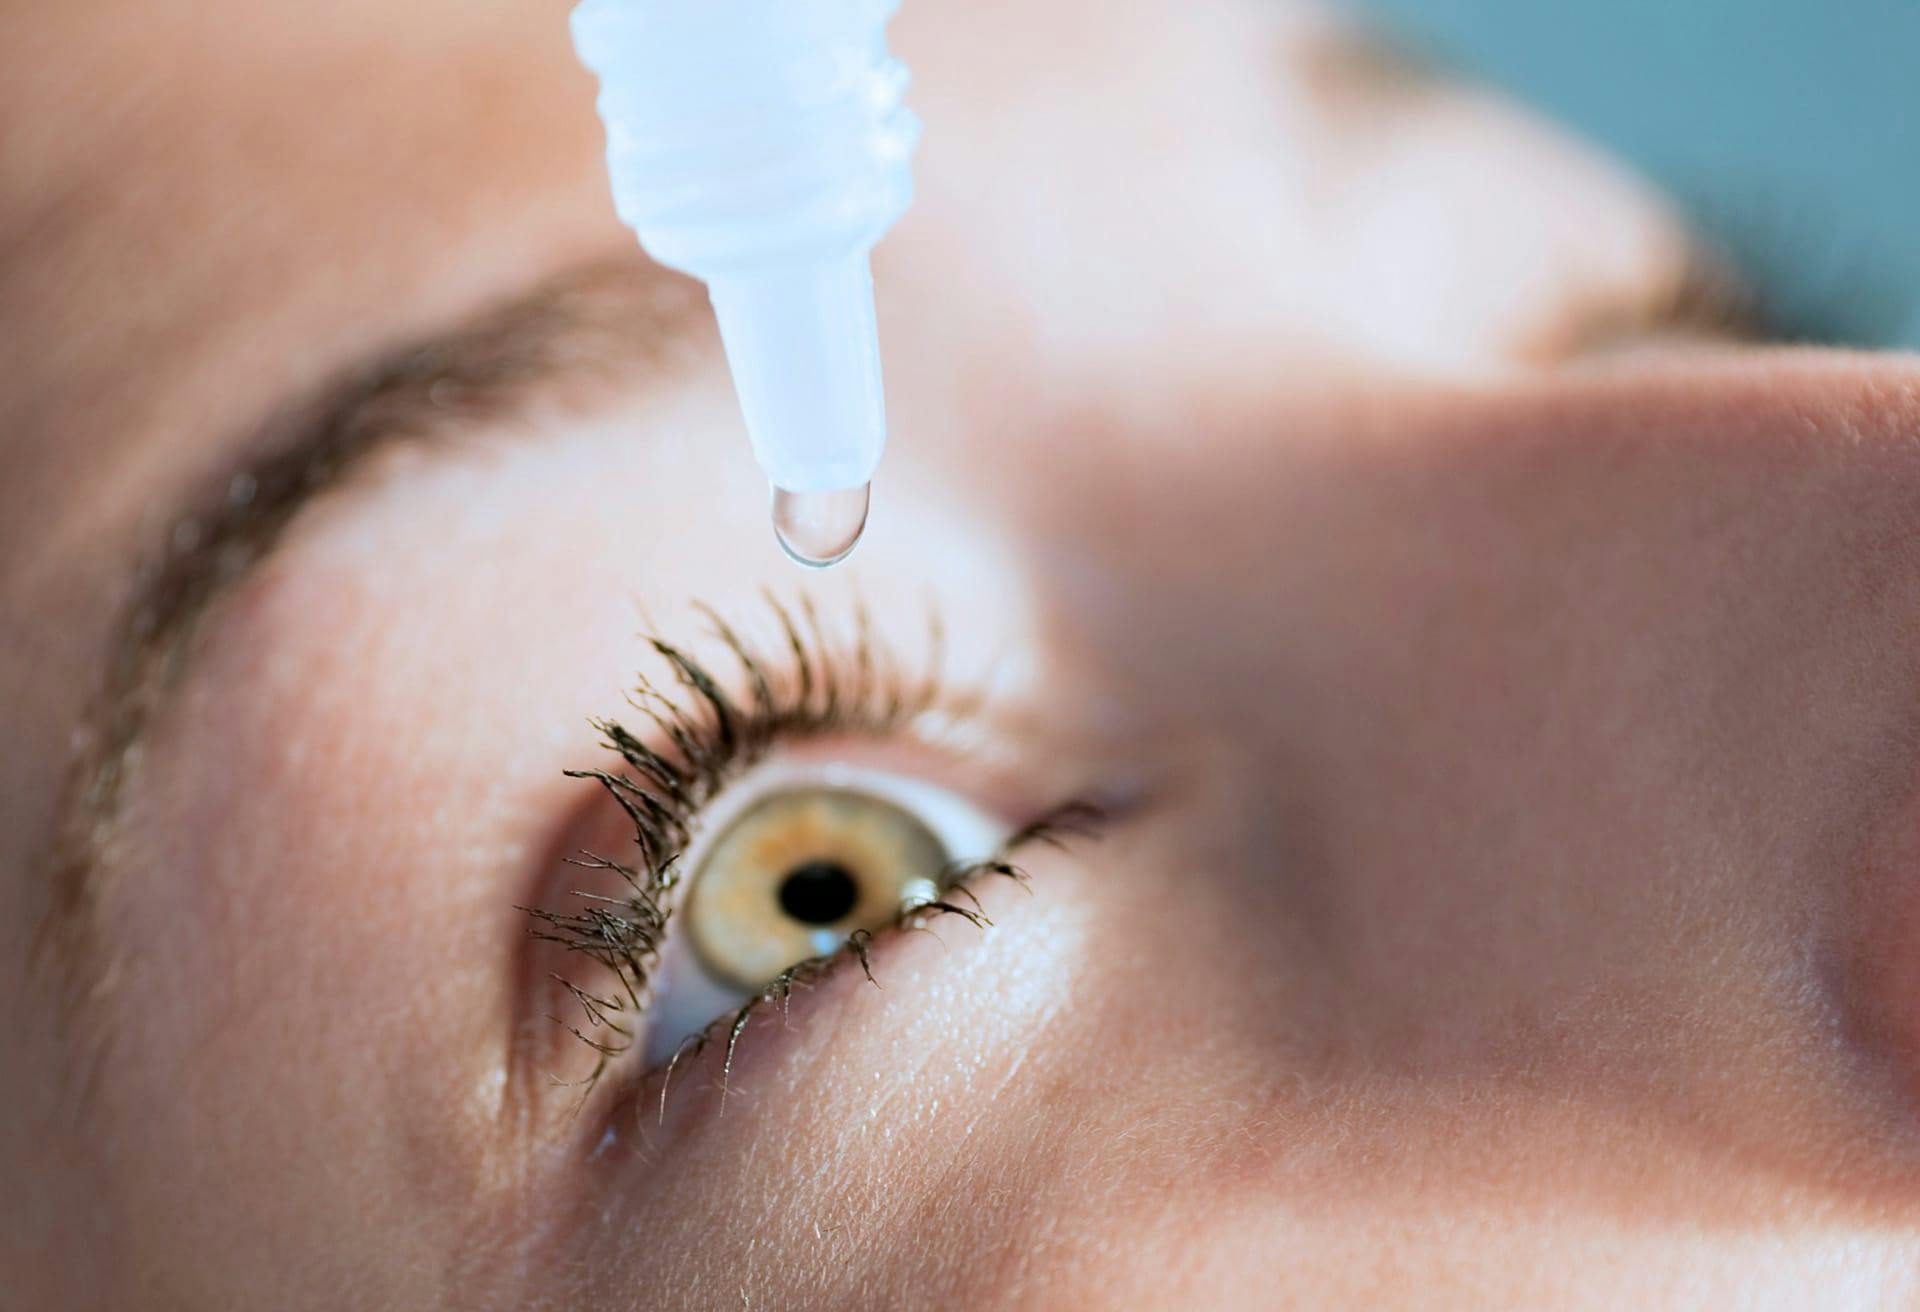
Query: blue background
{"x":1788,"y":129}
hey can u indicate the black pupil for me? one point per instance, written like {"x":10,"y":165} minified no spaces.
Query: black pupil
{"x":819,"y":892}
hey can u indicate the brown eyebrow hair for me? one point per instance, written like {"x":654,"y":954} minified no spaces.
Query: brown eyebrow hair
{"x":575,"y":338}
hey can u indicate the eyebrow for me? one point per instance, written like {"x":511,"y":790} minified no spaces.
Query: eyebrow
{"x":582,"y":335}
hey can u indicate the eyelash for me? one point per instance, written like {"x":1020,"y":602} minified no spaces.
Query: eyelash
{"x":814,"y":688}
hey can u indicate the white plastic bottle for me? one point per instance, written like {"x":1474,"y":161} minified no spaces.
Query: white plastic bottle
{"x":762,"y":147}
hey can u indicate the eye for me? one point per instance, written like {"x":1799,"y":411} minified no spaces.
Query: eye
{"x":797,"y":873}
{"x":792,"y":871}
{"x":744,"y":870}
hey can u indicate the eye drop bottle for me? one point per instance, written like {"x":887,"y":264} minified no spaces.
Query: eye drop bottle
{"x":762,"y":147}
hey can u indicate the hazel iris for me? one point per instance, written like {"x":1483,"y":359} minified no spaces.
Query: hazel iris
{"x":798,"y":872}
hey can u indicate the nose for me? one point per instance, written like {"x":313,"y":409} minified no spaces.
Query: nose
{"x":1517,"y":689}
{"x":1401,"y":548}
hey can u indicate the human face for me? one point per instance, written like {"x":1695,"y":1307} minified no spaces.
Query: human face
{"x":1496,"y":681}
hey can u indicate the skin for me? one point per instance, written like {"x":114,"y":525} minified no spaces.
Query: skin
{"x":1512,"y":689}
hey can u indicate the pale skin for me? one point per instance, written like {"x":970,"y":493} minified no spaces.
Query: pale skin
{"x":1514,"y":687}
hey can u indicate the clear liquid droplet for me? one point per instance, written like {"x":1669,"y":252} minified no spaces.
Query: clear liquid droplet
{"x":818,"y":529}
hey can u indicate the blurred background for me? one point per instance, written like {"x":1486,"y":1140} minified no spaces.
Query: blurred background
{"x":1789,"y":129}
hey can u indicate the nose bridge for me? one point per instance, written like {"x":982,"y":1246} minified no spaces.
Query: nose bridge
{"x":1195,"y":572}
{"x":1528,"y":704}
{"x":1546,"y":679}
{"x":1451,"y":554}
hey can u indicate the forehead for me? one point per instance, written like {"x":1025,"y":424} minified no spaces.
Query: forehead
{"x":205,"y":206}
